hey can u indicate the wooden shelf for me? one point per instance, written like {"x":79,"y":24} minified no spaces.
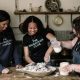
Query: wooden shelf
{"x":43,"y":13}
{"x":23,"y":13}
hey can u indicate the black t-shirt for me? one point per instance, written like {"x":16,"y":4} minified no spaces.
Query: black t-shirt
{"x":37,"y":45}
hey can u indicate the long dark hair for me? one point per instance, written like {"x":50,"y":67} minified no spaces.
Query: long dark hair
{"x":76,"y":25}
{"x":35,"y":20}
{"x":4,"y":16}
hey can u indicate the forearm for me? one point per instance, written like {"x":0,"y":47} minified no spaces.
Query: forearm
{"x":67,"y":44}
{"x":47,"y":54}
{"x":28,"y":59}
{"x":50,"y":36}
{"x":49,"y":51}
{"x":26,"y":55}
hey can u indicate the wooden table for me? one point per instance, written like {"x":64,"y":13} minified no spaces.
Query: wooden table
{"x":14,"y":75}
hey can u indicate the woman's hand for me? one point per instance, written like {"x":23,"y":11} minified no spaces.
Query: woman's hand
{"x":19,"y":66}
{"x":65,"y":70}
{"x":46,"y":58}
{"x":5,"y":71}
{"x":32,"y":64}
{"x":75,"y":67}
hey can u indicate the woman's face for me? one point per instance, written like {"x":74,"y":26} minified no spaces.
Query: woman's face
{"x":3,"y":25}
{"x":32,"y":28}
{"x":74,"y":31}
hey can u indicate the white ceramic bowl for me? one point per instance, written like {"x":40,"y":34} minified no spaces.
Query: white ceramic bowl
{"x":35,"y":9}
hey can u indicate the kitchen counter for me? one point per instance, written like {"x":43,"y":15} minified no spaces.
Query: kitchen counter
{"x":14,"y":75}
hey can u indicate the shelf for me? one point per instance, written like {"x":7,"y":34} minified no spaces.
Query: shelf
{"x":23,"y":13}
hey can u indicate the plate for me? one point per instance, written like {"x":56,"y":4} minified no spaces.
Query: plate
{"x":52,"y":5}
{"x":37,"y":73}
{"x":58,"y":20}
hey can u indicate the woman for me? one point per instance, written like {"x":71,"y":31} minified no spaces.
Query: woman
{"x":8,"y":48}
{"x":75,"y":46}
{"x":75,"y":43}
{"x":35,"y":40}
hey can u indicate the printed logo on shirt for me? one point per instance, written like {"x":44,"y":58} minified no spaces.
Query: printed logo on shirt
{"x":36,"y":43}
{"x":6,"y":42}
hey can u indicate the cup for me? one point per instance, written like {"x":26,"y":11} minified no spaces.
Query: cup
{"x":62,"y":70}
{"x":57,"y":49}
{"x":56,"y":46}
{"x":63,"y":64}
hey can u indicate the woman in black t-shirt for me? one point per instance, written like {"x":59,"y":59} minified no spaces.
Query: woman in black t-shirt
{"x":8,"y":48}
{"x":35,"y":40}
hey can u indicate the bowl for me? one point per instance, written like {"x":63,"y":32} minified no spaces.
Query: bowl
{"x":37,"y":73}
{"x":35,"y":9}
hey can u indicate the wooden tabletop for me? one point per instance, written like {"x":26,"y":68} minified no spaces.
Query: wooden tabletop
{"x":14,"y":75}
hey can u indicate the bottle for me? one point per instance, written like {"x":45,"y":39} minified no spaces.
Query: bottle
{"x":78,"y":8}
{"x":30,"y":7}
